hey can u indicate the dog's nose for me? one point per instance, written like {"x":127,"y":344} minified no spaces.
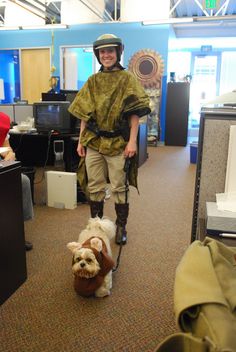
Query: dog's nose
{"x":82,"y":264}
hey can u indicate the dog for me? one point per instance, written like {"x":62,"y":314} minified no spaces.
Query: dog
{"x":92,"y":261}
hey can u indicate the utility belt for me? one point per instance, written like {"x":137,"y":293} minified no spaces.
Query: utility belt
{"x":124,"y":131}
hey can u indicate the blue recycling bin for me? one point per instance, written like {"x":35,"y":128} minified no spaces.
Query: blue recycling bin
{"x":193,"y":152}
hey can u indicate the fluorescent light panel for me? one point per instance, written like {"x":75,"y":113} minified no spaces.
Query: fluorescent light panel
{"x":172,"y":20}
{"x":9,"y":28}
{"x":46,"y":26}
{"x":42,"y":27}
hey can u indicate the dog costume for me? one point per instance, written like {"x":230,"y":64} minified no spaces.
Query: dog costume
{"x":87,"y":287}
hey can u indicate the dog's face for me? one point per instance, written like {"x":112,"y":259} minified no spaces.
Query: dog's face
{"x":85,"y":263}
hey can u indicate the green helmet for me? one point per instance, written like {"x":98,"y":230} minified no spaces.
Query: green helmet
{"x":105,"y":41}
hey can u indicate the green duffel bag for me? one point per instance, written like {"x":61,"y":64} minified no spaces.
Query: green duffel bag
{"x":205,"y":300}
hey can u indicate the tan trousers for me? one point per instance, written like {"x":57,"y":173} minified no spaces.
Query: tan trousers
{"x":99,"y":167}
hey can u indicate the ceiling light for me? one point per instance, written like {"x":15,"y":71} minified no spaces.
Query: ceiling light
{"x":47,"y":26}
{"x":9,"y":28}
{"x":214,"y":18}
{"x":171,"y":20}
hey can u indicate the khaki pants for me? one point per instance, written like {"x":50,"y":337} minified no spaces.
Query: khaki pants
{"x":99,"y":167}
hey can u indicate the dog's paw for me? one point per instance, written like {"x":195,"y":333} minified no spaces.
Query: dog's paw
{"x":102,"y":292}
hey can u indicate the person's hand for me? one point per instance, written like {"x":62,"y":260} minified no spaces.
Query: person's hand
{"x":130,"y":149}
{"x":10,"y":156}
{"x":81,"y":150}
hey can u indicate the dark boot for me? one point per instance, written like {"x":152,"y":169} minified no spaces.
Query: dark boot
{"x":122,"y":212}
{"x":96,"y":208}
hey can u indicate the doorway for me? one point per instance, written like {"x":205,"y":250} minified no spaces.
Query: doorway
{"x":78,"y":64}
{"x":204,"y":86}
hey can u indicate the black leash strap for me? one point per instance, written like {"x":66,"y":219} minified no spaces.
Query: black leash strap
{"x":126,"y":170}
{"x":118,"y":258}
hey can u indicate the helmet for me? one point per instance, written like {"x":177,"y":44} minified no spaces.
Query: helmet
{"x":105,"y":41}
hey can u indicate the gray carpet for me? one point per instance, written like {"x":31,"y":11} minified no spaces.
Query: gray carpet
{"x":46,"y":315}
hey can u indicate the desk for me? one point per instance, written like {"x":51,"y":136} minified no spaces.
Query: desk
{"x":12,"y":242}
{"x":202,"y":234}
{"x":37,"y":149}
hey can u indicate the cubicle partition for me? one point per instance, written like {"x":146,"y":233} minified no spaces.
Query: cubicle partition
{"x":212,"y":159}
{"x":17,"y":112}
{"x":8,"y":109}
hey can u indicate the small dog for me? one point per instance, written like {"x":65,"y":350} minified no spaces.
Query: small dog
{"x":92,"y":258}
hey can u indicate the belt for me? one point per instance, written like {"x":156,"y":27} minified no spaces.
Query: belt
{"x":103,"y":133}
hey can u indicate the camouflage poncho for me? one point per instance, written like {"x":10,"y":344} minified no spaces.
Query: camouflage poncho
{"x":108,"y":97}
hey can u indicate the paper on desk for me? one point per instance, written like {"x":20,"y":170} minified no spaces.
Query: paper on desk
{"x":4,"y":149}
{"x":226,"y":201}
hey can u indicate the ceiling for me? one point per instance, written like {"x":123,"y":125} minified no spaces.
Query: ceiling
{"x":191,"y":8}
{"x":216,"y":22}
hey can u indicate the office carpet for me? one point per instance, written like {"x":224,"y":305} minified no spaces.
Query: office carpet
{"x":46,"y":315}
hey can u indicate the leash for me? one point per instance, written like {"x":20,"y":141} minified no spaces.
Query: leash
{"x":118,"y":258}
{"x":126,"y":170}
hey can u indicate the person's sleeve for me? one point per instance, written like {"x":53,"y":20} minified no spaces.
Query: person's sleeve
{"x":136,"y":101}
{"x":82,"y":106}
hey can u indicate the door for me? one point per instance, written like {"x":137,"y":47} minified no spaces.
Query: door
{"x":35,"y":73}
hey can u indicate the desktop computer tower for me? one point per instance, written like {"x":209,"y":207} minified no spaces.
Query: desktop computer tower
{"x":61,"y":189}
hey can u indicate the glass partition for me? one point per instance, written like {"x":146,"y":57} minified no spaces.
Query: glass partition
{"x":10,"y":74}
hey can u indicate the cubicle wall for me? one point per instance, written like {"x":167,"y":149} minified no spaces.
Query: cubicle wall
{"x":17,"y":112}
{"x":212,"y":159}
{"x":9,"y":110}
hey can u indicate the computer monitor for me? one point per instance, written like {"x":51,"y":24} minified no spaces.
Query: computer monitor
{"x":52,"y":116}
{"x":69,"y":93}
{"x":53,"y":97}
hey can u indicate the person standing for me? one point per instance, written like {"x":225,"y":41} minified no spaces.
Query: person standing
{"x":109,"y":106}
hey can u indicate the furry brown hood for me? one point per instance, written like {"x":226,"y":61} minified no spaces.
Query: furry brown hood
{"x":87,"y":287}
